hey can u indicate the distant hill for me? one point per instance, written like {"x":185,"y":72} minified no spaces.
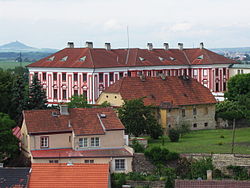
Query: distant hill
{"x":231,"y":50}
{"x":21,"y":47}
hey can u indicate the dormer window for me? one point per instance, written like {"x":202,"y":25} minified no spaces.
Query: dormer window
{"x":64,"y":58}
{"x":200,"y":57}
{"x":172,"y":58}
{"x":161,"y":58}
{"x":83,"y":58}
{"x":142,"y":59}
{"x":51,"y":58}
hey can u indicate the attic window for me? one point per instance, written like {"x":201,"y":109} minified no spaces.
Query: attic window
{"x":200,"y":57}
{"x":161,"y":58}
{"x":83,"y":58}
{"x":102,"y":115}
{"x":142,"y":59}
{"x":51,"y":58}
{"x":64,"y":58}
{"x":172,"y":58}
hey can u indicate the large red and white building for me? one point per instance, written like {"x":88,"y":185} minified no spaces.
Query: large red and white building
{"x":88,"y":71}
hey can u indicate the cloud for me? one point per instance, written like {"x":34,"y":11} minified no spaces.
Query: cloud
{"x":181,"y":27}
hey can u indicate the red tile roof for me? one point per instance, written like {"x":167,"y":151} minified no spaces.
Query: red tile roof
{"x":83,"y":121}
{"x":17,"y":132}
{"x":211,"y":184}
{"x":97,"y":58}
{"x":70,"y":153}
{"x":173,"y":91}
{"x":77,"y":175}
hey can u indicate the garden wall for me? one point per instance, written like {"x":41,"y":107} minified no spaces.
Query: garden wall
{"x":151,"y":184}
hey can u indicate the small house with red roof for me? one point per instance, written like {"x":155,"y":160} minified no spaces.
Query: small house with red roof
{"x":178,"y":100}
{"x":77,"y":135}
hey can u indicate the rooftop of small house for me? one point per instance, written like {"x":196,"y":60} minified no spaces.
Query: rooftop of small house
{"x":83,"y":121}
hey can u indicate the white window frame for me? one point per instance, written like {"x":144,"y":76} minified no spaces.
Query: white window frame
{"x":89,"y":161}
{"x":195,"y":72}
{"x":120,"y":164}
{"x":44,"y":141}
{"x":83,"y":142}
{"x":94,"y":141}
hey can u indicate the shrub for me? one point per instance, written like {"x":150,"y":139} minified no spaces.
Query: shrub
{"x":184,"y":128}
{"x":222,"y":136}
{"x":220,"y":143}
{"x":155,"y":131}
{"x":173,"y":135}
{"x":199,"y":168}
{"x":173,"y":156}
{"x":136,"y":176}
{"x":139,"y":148}
{"x":239,"y":172}
{"x":118,"y":179}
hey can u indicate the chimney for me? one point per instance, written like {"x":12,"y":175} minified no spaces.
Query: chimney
{"x":89,"y":44}
{"x":166,"y":46}
{"x":150,"y":46}
{"x":70,"y":44}
{"x":180,"y":45}
{"x":209,"y":175}
{"x":108,"y":46}
{"x":64,"y":110}
{"x":201,"y":45}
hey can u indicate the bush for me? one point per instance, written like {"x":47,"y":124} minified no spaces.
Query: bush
{"x":199,"y":168}
{"x":173,"y":135}
{"x":160,"y":155}
{"x":239,"y":172}
{"x":222,"y":136}
{"x":136,"y":176}
{"x":155,"y":131}
{"x":117,"y":180}
{"x":220,"y":143}
{"x":139,"y":148}
{"x":184,"y":128}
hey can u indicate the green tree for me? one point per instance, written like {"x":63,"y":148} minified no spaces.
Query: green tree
{"x":138,"y":118}
{"x":79,"y":102}
{"x":6,"y":80}
{"x":9,"y":143}
{"x":238,"y":86}
{"x":19,"y":97}
{"x":37,"y":98}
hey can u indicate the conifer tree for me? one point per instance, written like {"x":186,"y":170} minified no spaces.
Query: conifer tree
{"x":37,"y":98}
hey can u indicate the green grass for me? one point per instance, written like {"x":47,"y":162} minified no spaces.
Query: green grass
{"x":11,"y":65}
{"x":207,"y":141}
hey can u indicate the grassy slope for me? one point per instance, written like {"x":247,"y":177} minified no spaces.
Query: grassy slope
{"x":206,"y":141}
{"x":11,"y":65}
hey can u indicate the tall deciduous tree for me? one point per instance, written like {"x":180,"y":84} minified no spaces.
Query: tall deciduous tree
{"x":37,"y":97}
{"x":79,"y":102}
{"x":9,"y":143}
{"x":138,"y":118}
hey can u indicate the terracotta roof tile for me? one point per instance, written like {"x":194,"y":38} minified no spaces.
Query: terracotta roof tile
{"x":17,"y":132}
{"x":211,"y":184}
{"x":173,"y":90}
{"x":97,"y":58}
{"x":84,"y":121}
{"x":77,"y":175}
{"x":70,"y":153}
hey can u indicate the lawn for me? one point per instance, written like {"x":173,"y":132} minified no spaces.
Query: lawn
{"x":207,"y":141}
{"x":11,"y":65}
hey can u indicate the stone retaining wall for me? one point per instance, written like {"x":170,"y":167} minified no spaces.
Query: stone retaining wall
{"x":151,"y":184}
{"x":141,"y":164}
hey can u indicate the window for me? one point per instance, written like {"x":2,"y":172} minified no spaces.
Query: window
{"x":84,"y":94}
{"x":216,"y":72}
{"x":44,"y":76}
{"x":100,"y":77}
{"x":120,"y":164}
{"x":69,"y":138}
{"x":88,"y":161}
{"x":238,"y":71}
{"x":206,"y":110}
{"x":129,"y":74}
{"x":95,"y":141}
{"x":194,"y":111}
{"x":75,"y":92}
{"x":224,"y":86}
{"x":64,"y":77}
{"x":111,"y":76}
{"x":242,"y":71}
{"x":75,"y":77}
{"x":204,"y":72}
{"x":44,"y":142}
{"x":205,"y":124}
{"x":195,"y":72}
{"x":194,"y":125}
{"x":54,"y":76}
{"x":183,"y":113}
{"x":53,"y":161}
{"x":64,"y":94}
{"x":83,"y":142}
{"x":224,"y":71}
{"x":217,"y":87}
{"x":36,"y":74}
{"x":55,"y":93}
{"x":84,"y":77}
{"x":120,"y":74}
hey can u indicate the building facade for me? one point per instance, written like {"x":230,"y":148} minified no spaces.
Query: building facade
{"x":76,"y":136}
{"x":88,"y":71}
{"x":177,"y":100}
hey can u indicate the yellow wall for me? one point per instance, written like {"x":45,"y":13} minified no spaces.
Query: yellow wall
{"x":110,"y":139}
{"x":114,"y":99}
{"x":111,"y":161}
{"x":25,"y":140}
{"x":234,"y":71}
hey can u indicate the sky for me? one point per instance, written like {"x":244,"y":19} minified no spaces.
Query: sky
{"x":52,"y":23}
